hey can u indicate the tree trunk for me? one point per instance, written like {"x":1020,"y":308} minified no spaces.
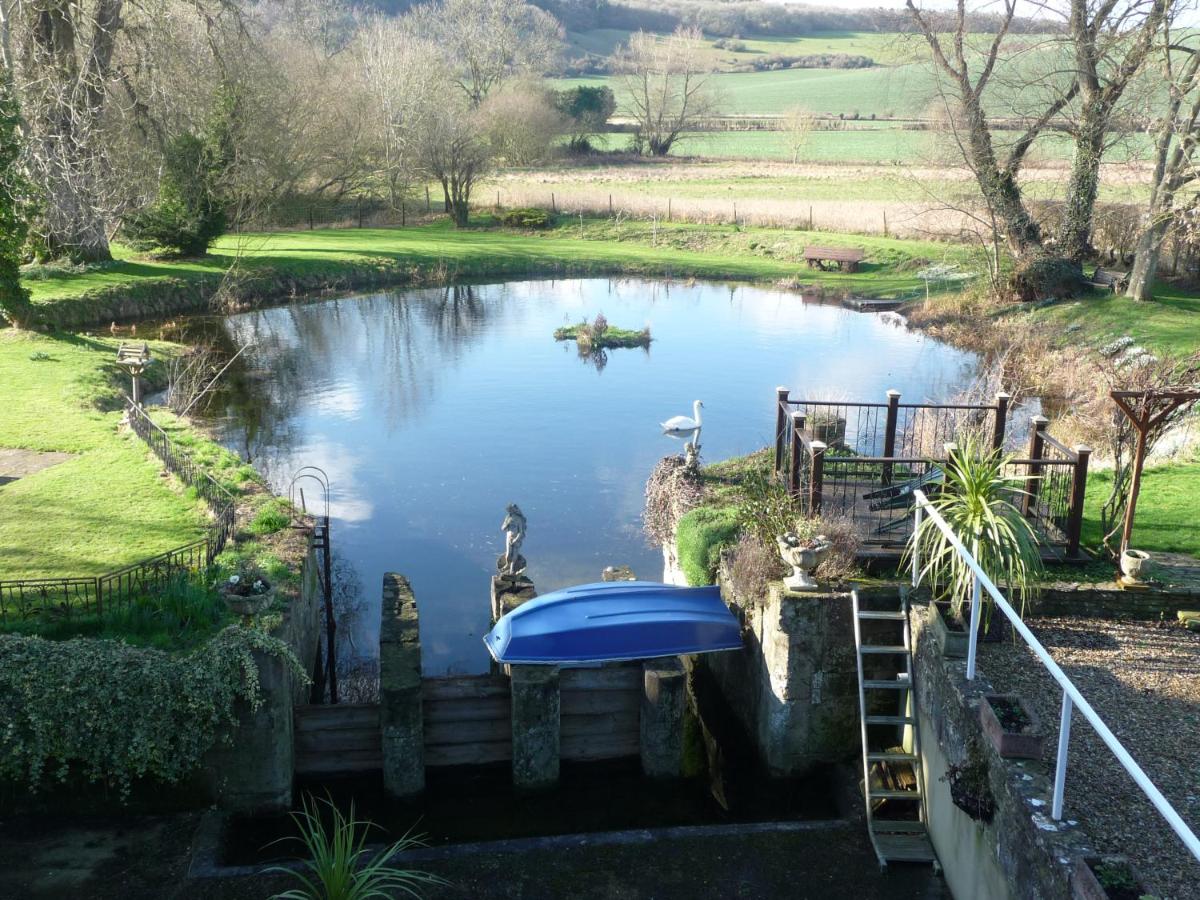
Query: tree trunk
{"x":1075,"y":237}
{"x":999,"y":187}
{"x":1145,"y":261}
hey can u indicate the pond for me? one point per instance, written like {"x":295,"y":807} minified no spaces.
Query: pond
{"x":431,"y":409}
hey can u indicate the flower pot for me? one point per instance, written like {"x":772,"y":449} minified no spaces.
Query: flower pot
{"x":1086,"y":884}
{"x":1135,"y":567}
{"x":952,"y":638}
{"x":1012,"y":740}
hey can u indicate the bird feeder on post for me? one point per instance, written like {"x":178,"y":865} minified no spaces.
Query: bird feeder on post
{"x":134,"y":358}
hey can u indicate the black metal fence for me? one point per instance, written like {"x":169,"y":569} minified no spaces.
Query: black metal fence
{"x":111,"y":591}
{"x":862,"y":462}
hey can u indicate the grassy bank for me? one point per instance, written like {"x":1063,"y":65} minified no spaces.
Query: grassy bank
{"x":275,"y":263}
{"x":1166,"y":511}
{"x":107,"y":505}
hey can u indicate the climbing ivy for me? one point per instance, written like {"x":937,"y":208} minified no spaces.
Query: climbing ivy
{"x":115,"y":713}
{"x":14,"y":200}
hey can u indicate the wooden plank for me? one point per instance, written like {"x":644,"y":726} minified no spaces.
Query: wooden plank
{"x":584,"y":702}
{"x":467,"y":710}
{"x":601,"y":726}
{"x":469,"y":732}
{"x":627,"y":678}
{"x":339,"y":716}
{"x":348,"y":761}
{"x":467,"y":754}
{"x":337,"y":741}
{"x":591,"y":749}
{"x":464,"y":687}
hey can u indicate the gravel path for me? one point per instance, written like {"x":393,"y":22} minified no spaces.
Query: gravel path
{"x":1143,"y":678}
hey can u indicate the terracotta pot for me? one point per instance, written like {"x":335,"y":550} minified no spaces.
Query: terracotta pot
{"x":1086,"y":886}
{"x":1024,"y":744}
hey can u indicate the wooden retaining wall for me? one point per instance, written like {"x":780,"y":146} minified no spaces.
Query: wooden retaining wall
{"x":468,"y":720}
{"x":600,"y":715}
{"x":337,"y":740}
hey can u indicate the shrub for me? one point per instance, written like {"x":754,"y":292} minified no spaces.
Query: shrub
{"x":187,"y":216}
{"x":274,"y":516}
{"x":14,"y":191}
{"x":1044,"y":277}
{"x":672,"y":489}
{"x":527,"y":217}
{"x":116,"y":713}
{"x":700,"y":537}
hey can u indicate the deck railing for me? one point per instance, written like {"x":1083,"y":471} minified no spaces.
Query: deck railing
{"x":1071,"y":697}
{"x":831,"y":454}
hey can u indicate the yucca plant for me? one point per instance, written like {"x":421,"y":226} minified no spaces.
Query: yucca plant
{"x":339,"y":865}
{"x":977,"y":502}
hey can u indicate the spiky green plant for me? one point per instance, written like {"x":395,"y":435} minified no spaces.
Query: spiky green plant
{"x":977,"y":502}
{"x":339,"y":865}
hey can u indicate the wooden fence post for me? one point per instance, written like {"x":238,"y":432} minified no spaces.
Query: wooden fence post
{"x":1037,"y":445}
{"x":797,"y":449}
{"x":1001,"y":424}
{"x":610,"y":211}
{"x":428,"y":204}
{"x":1074,"y":527}
{"x":360,"y":219}
{"x":668,"y":209}
{"x":553,"y":205}
{"x":889,"y":432}
{"x":781,"y":396}
{"x":816,"y":478}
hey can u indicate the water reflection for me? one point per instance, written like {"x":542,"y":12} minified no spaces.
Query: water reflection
{"x":432,"y":409}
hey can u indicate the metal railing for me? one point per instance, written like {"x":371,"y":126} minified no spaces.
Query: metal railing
{"x":1071,"y":698}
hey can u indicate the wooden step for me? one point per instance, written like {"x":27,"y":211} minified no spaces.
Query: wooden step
{"x":887,"y":794}
{"x":904,"y":847}
{"x":893,"y":757}
{"x":890,"y":615}
{"x":897,"y":684}
{"x":890,"y":720}
{"x":883,"y":648}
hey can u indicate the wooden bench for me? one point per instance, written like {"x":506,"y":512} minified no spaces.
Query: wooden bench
{"x":844,"y":259}
{"x":1116,"y":282}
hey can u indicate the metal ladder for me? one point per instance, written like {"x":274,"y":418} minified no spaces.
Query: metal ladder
{"x":903,"y":836}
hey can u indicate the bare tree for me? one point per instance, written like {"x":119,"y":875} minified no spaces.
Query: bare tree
{"x":1176,"y":135}
{"x":521,"y":122}
{"x":969,"y":75}
{"x":1109,"y":42}
{"x":452,"y":149}
{"x":488,"y":41}
{"x":666,"y":85}
{"x":798,"y":126}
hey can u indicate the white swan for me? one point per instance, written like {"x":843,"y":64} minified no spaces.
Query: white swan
{"x":682,"y":425}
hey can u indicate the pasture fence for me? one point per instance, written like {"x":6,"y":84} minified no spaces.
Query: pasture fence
{"x":114,"y":590}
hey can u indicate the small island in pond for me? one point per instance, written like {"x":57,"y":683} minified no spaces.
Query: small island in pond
{"x":599,"y":335}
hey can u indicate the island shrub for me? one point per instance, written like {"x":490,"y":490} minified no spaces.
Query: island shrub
{"x":112,"y":713}
{"x":527,"y":217}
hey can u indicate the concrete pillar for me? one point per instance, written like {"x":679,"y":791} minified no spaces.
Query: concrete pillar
{"x":400,"y":716}
{"x":536,"y":705}
{"x":664,"y":701}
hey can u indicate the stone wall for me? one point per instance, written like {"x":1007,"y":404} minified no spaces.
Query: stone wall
{"x":794,"y":685}
{"x":400,"y":702}
{"x":254,"y":772}
{"x":1022,"y":853}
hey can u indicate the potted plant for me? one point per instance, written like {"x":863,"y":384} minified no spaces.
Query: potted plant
{"x":1107,"y":878}
{"x":246,"y":591}
{"x":1011,"y":726}
{"x":976,"y":501}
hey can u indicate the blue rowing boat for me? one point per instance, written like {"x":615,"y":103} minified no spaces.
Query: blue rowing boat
{"x":613,"y":621}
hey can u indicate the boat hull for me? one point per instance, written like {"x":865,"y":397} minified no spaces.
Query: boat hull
{"x":613,"y":622}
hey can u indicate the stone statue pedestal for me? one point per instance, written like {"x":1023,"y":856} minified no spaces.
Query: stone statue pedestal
{"x":618,"y":573}
{"x":509,"y":592}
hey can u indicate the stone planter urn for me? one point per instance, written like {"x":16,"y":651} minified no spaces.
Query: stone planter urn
{"x":245,"y":597}
{"x":803,"y":556}
{"x":1011,"y":726}
{"x":1135,"y":567}
{"x":1106,"y":878}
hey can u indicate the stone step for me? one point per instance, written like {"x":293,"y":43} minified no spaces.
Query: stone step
{"x":890,"y":615}
{"x":889,"y":685}
{"x":891,"y":720}
{"x":884,"y":648}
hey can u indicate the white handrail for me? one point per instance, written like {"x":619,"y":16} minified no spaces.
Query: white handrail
{"x":1071,"y":695}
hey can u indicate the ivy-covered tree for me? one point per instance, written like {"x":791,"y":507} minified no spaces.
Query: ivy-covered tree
{"x":587,"y":110}
{"x":187,"y":215}
{"x":14,"y":203}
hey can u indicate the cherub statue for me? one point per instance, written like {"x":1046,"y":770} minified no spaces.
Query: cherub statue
{"x":513,"y":526}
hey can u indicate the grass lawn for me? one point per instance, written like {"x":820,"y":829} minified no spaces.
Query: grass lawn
{"x":1166,"y":511}
{"x":1169,"y":323}
{"x":596,"y":246}
{"x":108,"y":506}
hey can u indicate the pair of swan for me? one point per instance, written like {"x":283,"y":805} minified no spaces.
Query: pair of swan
{"x":679,"y":426}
